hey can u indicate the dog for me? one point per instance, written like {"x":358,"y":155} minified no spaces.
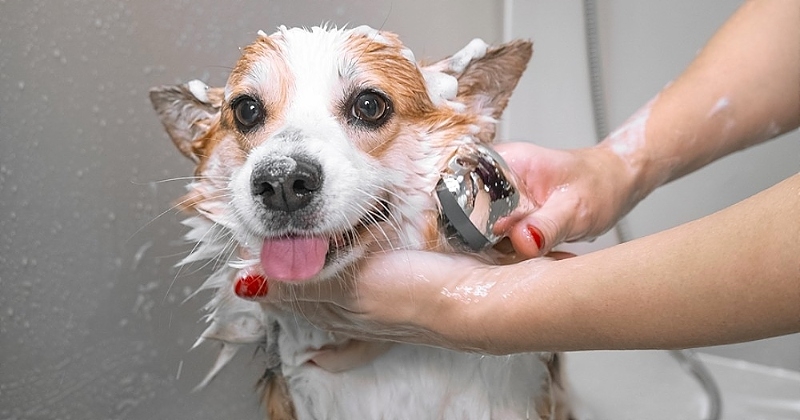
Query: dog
{"x":325,"y":145}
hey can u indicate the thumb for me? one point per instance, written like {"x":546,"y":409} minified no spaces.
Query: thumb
{"x":538,"y":232}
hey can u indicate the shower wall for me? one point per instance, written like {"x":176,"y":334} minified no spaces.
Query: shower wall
{"x":93,"y":323}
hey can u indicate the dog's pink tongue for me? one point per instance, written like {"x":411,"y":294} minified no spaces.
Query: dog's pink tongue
{"x":293,"y":258}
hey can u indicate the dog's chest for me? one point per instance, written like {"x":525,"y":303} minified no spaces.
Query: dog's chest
{"x":414,"y":382}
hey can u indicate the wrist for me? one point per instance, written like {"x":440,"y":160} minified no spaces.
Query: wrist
{"x":637,"y":148}
{"x":627,"y":174}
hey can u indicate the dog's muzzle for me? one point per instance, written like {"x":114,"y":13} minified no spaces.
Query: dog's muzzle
{"x":286,"y":183}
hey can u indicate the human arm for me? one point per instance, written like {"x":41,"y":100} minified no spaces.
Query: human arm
{"x":731,"y":276}
{"x":742,"y":89}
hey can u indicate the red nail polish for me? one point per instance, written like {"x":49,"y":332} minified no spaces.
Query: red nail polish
{"x":537,"y":236}
{"x":251,"y":286}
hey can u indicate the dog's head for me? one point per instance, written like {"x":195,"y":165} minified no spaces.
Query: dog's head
{"x":326,"y":143}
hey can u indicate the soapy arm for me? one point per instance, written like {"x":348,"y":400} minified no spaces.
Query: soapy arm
{"x":742,"y":89}
{"x":729,"y":277}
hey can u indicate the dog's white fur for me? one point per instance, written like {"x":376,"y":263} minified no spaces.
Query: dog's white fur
{"x":304,"y":77}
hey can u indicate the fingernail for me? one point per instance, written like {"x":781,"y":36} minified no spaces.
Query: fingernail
{"x":537,"y":236}
{"x":251,"y":286}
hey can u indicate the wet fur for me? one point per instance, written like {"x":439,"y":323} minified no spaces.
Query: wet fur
{"x":398,"y":164}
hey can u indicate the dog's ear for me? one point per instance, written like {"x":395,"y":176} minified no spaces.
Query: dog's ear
{"x":188,"y":111}
{"x":486,"y":75}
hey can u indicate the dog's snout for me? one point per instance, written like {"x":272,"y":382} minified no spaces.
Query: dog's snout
{"x":287,"y":183}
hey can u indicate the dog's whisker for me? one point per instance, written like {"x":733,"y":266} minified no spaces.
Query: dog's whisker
{"x":219,"y":234}
{"x":391,"y":220}
{"x":194,"y":249}
{"x":175,"y":207}
{"x":182,"y":178}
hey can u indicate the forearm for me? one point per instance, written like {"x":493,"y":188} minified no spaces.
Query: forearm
{"x":743,"y":88}
{"x":732,"y":276}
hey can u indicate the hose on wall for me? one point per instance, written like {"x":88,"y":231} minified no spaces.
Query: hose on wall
{"x":687,"y":359}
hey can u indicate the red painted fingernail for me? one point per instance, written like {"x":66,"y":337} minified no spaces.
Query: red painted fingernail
{"x":537,"y":236}
{"x":251,"y":286}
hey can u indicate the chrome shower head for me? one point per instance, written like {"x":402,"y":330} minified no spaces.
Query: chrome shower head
{"x":475,"y":190}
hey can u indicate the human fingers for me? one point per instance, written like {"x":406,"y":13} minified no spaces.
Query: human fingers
{"x":543,"y":217}
{"x":538,"y":232}
{"x":568,"y":196}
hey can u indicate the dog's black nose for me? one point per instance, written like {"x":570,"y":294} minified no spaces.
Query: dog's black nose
{"x":286,"y":183}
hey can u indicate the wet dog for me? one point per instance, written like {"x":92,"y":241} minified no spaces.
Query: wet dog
{"x":326,"y":145}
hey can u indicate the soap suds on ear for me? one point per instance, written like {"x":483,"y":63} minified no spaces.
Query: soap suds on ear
{"x":474,"y":50}
{"x":370,"y":33}
{"x":442,"y":87}
{"x":409,"y":55}
{"x":458,"y":62}
{"x":441,"y":78}
{"x":376,"y":36}
{"x":199,"y":90}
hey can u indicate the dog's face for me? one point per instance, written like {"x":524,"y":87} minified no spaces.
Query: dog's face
{"x":326,"y":144}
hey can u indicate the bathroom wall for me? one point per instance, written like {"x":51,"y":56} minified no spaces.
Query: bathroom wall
{"x":93,"y":323}
{"x":643,"y":45}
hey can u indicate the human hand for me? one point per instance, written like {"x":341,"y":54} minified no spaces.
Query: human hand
{"x":577,"y":195}
{"x":395,"y":296}
{"x":448,"y":300}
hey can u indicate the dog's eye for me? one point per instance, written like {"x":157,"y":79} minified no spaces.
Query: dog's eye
{"x":248,"y":112}
{"x":371,"y":107}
